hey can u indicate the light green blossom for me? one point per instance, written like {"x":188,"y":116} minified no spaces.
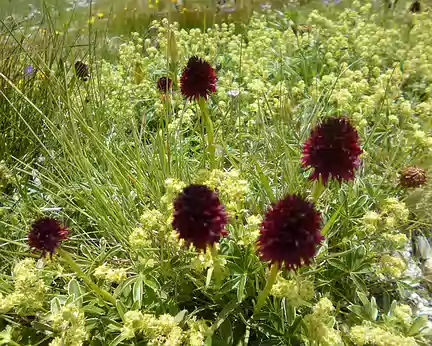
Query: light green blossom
{"x":251,"y":230}
{"x":391,"y":266}
{"x":297,"y":291}
{"x":29,"y":288}
{"x":319,"y":326}
{"x":372,"y":335}
{"x":109,"y":274}
{"x":159,"y":331}
{"x":70,"y":324}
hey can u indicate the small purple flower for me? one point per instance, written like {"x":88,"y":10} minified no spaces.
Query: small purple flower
{"x":29,"y":71}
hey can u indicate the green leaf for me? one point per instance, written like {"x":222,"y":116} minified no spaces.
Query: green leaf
{"x":92,"y":309}
{"x":120,"y":309}
{"x":226,"y":311}
{"x":138,"y":292}
{"x":180,"y":317}
{"x":337,"y":264}
{"x":331,"y":222}
{"x":241,"y":288}
{"x":75,"y":290}
{"x":152,"y":284}
{"x":418,"y":324}
{"x":424,"y":247}
{"x":209,"y":276}
{"x":363,"y":298}
{"x":373,"y":310}
{"x":117,"y":340}
{"x":55,"y":305}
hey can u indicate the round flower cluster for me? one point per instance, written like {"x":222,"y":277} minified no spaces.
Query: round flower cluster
{"x":159,"y":331}
{"x":320,"y":325}
{"x":109,"y":274}
{"x":297,"y":291}
{"x":251,"y":230}
{"x":29,"y":289}
{"x":232,"y":189}
{"x":6,"y":178}
{"x":163,"y":330}
{"x":391,"y":266}
{"x":386,"y":225}
{"x":373,"y":335}
{"x":69,"y":322}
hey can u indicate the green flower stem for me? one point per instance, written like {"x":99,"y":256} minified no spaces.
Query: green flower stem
{"x":217,"y":270}
{"x":210,"y":131}
{"x":317,"y":190}
{"x":102,"y":293}
{"x":271,"y":279}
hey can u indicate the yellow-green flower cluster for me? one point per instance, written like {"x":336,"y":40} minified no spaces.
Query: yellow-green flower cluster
{"x":250,"y":230}
{"x":368,"y":334}
{"x":29,"y":289}
{"x":395,"y":213}
{"x":198,"y":330}
{"x":164,"y":330}
{"x":231,"y":188}
{"x":401,"y":316}
{"x":70,"y":324}
{"x":206,"y":260}
{"x":6,"y":178}
{"x":320,"y":325}
{"x":110,"y":274}
{"x":297,"y":291}
{"x":159,"y":331}
{"x":391,"y":266}
{"x":152,"y":222}
{"x":386,"y":224}
{"x":172,"y":188}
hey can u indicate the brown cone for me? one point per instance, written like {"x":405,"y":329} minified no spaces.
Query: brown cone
{"x":412,"y":177}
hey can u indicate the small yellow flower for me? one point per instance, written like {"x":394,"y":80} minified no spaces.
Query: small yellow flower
{"x":91,"y":20}
{"x":100,"y":15}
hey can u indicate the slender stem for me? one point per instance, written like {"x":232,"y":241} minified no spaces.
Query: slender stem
{"x":317,"y":190}
{"x":101,"y":292}
{"x":210,"y":131}
{"x":271,"y":279}
{"x":216,"y":265}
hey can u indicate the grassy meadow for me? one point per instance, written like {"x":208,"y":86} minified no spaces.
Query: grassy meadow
{"x":102,"y":225}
